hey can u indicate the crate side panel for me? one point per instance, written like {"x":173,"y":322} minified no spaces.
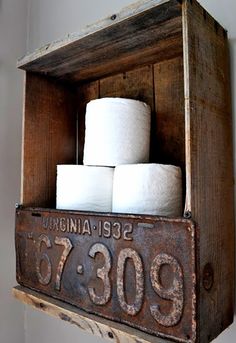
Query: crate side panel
{"x":49,"y":137}
{"x":210,"y":164}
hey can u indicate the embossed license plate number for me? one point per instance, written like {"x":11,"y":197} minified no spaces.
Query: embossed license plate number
{"x":132,"y":269}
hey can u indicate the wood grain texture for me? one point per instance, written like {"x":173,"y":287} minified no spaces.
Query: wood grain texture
{"x":125,"y":13}
{"x":210,"y":163}
{"x":154,"y":34}
{"x":106,"y":329}
{"x":49,"y":137}
{"x":168,"y":146}
{"x":135,"y":84}
{"x":85,"y":93}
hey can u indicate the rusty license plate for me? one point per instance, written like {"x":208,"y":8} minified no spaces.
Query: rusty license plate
{"x":137,"y":270}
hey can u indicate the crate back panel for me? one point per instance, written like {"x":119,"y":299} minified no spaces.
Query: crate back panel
{"x":55,"y":110}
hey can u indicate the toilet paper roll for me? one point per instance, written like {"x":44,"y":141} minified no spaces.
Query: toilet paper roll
{"x":117,"y":132}
{"x":84,"y":188}
{"x":148,"y":189}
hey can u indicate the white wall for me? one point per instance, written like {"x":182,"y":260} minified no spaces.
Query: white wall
{"x":49,"y":20}
{"x":12,"y":44}
{"x":52,"y":19}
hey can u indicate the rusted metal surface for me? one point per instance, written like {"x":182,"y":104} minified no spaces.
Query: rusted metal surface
{"x":137,"y":270}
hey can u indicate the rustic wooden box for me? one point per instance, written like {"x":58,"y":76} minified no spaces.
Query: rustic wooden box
{"x":174,"y":56}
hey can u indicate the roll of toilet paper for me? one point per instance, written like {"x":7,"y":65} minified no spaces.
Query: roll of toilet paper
{"x":148,"y":189}
{"x":84,"y":188}
{"x":117,"y":132}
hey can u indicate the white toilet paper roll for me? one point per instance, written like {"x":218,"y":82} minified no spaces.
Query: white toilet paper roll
{"x":148,"y":189}
{"x":84,"y":188}
{"x":117,"y":132}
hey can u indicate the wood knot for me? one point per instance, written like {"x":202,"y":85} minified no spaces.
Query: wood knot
{"x":110,"y":334}
{"x":64,"y":317}
{"x":208,"y":277}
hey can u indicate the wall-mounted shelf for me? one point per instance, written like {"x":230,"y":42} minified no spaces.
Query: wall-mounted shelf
{"x":174,"y":56}
{"x":104,"y":328}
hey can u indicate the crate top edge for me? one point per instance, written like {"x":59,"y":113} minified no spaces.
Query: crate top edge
{"x":42,"y":59}
{"x":125,"y":13}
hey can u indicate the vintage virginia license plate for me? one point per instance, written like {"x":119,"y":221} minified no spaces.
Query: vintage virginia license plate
{"x":138,"y":270}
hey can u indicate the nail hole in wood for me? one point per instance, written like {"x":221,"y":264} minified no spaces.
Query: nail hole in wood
{"x":34,"y":214}
{"x":63,"y":316}
{"x":110,"y":334}
{"x":41,"y":305}
{"x":208,"y":277}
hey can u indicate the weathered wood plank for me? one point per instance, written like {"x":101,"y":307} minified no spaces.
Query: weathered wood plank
{"x":139,"y":39}
{"x":125,"y":13}
{"x":49,"y":137}
{"x":106,"y":329}
{"x":135,"y":84}
{"x":210,"y":165}
{"x":115,"y":61}
{"x":169,"y":124}
{"x":85,"y":93}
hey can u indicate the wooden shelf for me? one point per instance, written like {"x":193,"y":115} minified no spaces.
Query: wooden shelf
{"x":92,"y":324}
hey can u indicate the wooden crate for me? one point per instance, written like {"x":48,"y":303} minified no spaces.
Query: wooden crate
{"x":174,"y":56}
